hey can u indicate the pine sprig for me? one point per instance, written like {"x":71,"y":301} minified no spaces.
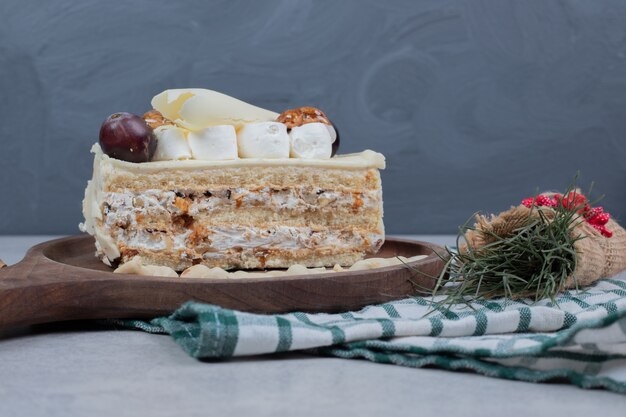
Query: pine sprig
{"x":533,"y":261}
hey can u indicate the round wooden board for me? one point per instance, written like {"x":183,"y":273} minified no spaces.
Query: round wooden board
{"x":63,"y":280}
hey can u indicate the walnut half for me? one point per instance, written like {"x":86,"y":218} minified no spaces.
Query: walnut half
{"x":154,"y":119}
{"x":301,"y":116}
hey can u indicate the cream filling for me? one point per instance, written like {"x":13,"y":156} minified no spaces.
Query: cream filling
{"x":223,"y":239}
{"x":122,"y":209}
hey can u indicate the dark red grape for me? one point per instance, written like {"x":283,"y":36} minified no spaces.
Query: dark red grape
{"x":336,"y":142}
{"x":127,"y":137}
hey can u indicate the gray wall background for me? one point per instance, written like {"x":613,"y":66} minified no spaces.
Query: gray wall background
{"x":476,"y":104}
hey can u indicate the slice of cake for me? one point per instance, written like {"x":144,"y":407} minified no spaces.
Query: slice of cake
{"x":207,"y":179}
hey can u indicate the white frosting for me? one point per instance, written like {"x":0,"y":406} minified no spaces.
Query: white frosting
{"x":105,"y":245}
{"x":361,"y":160}
{"x":197,"y":108}
{"x":263,"y":140}
{"x":171,"y":144}
{"x":214,"y":143}
{"x":311,"y":141}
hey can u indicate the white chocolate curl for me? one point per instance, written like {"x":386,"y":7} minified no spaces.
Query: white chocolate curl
{"x":197,"y":108}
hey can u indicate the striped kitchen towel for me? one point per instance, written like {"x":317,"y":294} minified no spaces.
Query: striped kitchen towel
{"x":579,"y":338}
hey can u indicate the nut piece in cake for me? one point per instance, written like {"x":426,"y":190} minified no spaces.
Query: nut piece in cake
{"x":154,"y":119}
{"x":302,"y":115}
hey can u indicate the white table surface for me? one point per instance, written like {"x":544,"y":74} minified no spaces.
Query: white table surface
{"x":80,"y":369}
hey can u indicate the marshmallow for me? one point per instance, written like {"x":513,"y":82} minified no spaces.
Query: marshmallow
{"x":332,"y":131}
{"x":268,"y":140}
{"x":171,"y":144}
{"x":311,"y":141}
{"x":214,"y":143}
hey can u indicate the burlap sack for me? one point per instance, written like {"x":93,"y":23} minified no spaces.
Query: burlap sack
{"x":598,"y":256}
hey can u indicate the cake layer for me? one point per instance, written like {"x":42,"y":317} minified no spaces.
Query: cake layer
{"x":247,"y":177}
{"x":250,"y":259}
{"x":351,"y":173}
{"x":236,"y":214}
{"x":262,"y":218}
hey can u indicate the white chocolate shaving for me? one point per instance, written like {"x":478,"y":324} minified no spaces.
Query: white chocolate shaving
{"x":203,"y":271}
{"x":135,"y":266}
{"x":198,"y":108}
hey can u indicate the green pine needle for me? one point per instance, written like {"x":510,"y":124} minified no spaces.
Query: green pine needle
{"x":534,"y":262}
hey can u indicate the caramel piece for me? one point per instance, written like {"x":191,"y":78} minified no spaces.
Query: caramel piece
{"x":154,"y":119}
{"x":301,"y":116}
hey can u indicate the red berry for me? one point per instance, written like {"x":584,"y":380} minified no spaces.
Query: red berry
{"x":596,"y":217}
{"x":600,"y":219}
{"x":594,"y":212}
{"x":575,"y":201}
{"x":544,"y":200}
{"x":602,"y":229}
{"x":540,"y":201}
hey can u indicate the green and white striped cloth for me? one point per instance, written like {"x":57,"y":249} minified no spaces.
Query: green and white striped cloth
{"x":580,"y":339}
